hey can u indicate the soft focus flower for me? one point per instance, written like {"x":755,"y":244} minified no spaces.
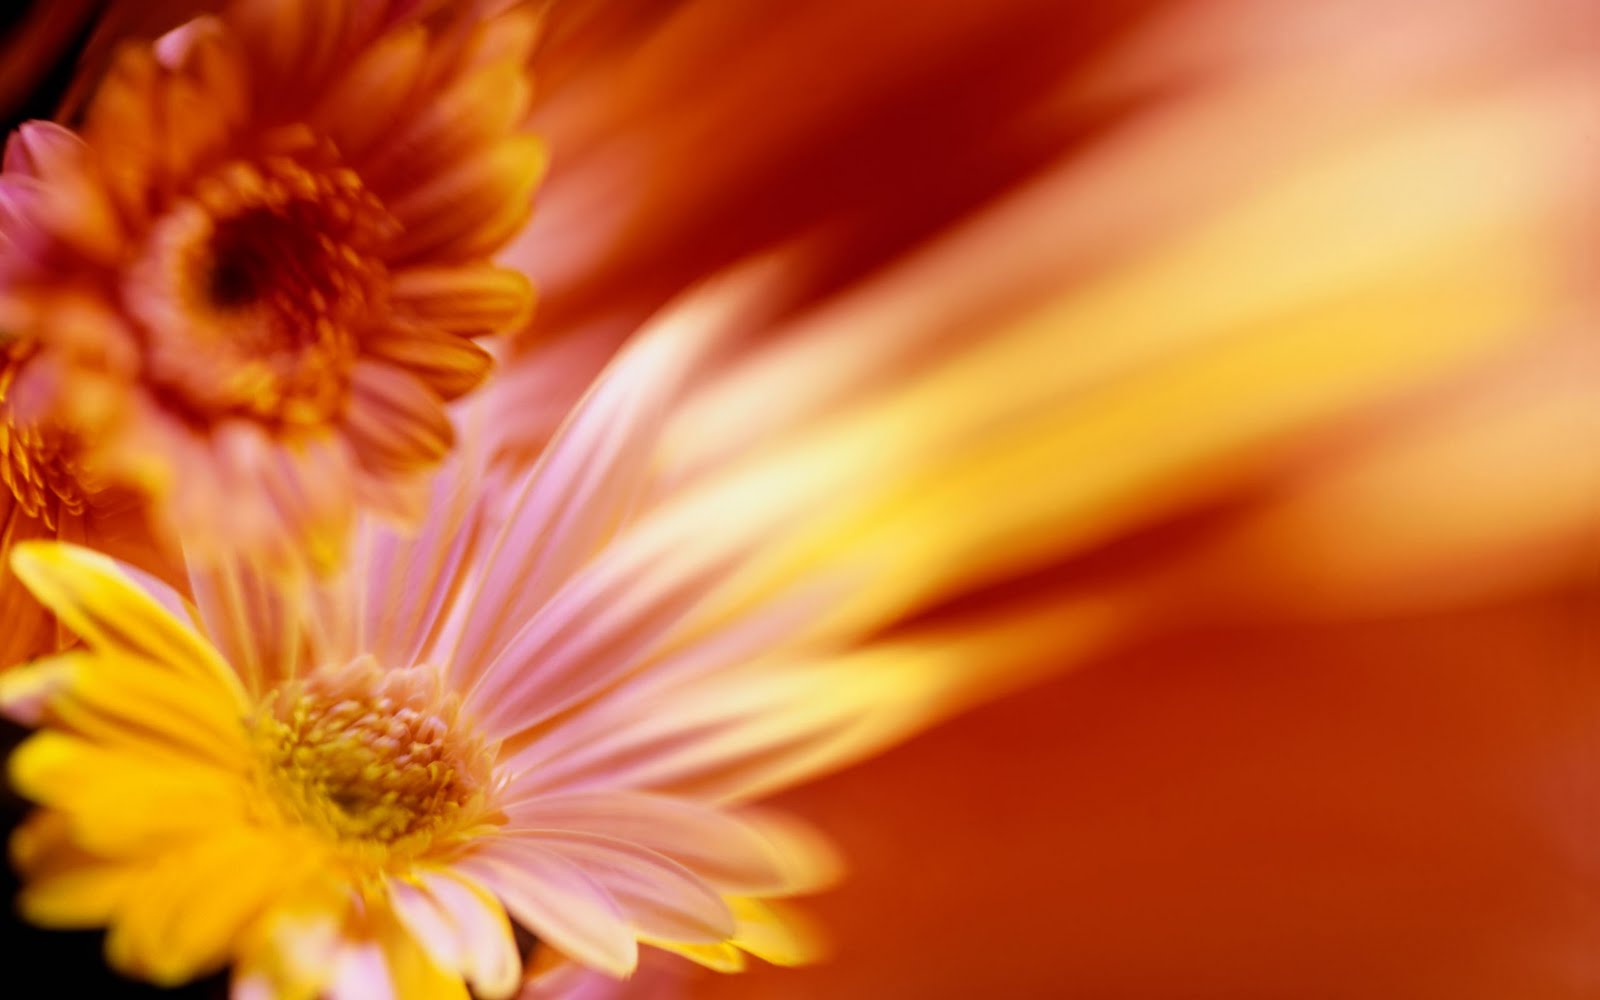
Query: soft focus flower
{"x":527,"y":708}
{"x":1333,"y":735}
{"x":47,"y":495}
{"x":1339,"y":739}
{"x":251,"y":281}
{"x":387,"y":785}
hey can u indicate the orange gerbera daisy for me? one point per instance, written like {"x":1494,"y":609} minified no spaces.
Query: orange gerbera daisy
{"x":271,"y":241}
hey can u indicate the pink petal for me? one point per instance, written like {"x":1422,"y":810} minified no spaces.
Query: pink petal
{"x":576,"y":495}
{"x":427,"y":923}
{"x":561,"y":904}
{"x":661,"y":899}
{"x":750,"y":732}
{"x":256,"y":626}
{"x":360,"y":973}
{"x":395,"y":422}
{"x":714,"y":845}
{"x":489,"y":957}
{"x":618,"y":670}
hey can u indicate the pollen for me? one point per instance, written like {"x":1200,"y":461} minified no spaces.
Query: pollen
{"x":380,"y":763}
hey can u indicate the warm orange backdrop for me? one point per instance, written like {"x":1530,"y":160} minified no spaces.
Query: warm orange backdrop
{"x":1403,"y":811}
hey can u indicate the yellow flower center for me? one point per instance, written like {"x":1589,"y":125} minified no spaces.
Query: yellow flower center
{"x":253,"y":290}
{"x":377,"y":761}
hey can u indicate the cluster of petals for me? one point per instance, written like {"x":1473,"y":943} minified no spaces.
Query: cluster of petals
{"x":352,"y":793}
{"x":245,"y":287}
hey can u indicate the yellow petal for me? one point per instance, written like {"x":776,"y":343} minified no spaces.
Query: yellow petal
{"x":27,"y":687}
{"x":119,"y":804}
{"x":291,"y":952}
{"x":468,"y":300}
{"x":189,"y":912}
{"x":716,"y":957}
{"x":95,"y":600}
{"x":776,"y":933}
{"x":450,"y":364}
{"x":136,"y":706}
{"x":415,"y":975}
{"x":66,"y":886}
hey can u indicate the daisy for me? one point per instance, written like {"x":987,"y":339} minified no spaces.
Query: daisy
{"x":530,"y":711}
{"x":271,"y":244}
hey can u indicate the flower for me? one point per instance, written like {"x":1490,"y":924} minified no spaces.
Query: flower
{"x":524,"y":708}
{"x":270,"y":244}
{"x":49,"y":493}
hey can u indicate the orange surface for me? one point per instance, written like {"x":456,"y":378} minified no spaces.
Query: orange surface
{"x":1401,"y":811}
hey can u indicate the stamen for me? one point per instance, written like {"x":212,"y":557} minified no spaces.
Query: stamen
{"x":378,"y":761}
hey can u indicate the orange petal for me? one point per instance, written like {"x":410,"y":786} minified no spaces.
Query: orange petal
{"x":394,"y":421}
{"x":469,"y":300}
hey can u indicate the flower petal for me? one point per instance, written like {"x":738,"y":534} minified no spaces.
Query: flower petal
{"x":66,"y":886}
{"x":96,"y":601}
{"x":468,"y":300}
{"x":177,"y":799}
{"x":489,"y":958}
{"x":395,"y":423}
{"x":190,"y":907}
{"x":715,"y":845}
{"x":573,"y":498}
{"x":133,"y":706}
{"x":661,"y":898}
{"x":447,"y":363}
{"x":474,"y":207}
{"x":561,"y":904}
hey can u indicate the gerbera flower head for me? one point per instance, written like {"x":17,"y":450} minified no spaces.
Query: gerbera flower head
{"x":351,"y":791}
{"x":274,"y":233}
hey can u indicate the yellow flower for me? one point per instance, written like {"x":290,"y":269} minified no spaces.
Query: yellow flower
{"x":269,"y":250}
{"x":520,"y":710}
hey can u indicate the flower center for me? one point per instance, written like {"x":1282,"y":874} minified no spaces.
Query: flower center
{"x":253,"y":291}
{"x":377,"y":760}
